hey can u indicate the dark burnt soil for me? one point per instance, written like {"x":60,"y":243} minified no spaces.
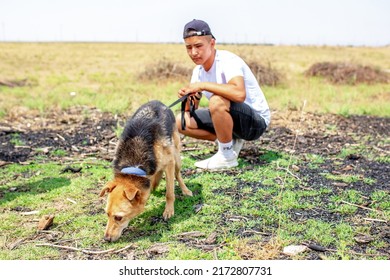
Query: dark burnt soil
{"x":83,"y":132}
{"x":76,"y":133}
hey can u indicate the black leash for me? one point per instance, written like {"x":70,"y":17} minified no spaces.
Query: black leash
{"x":183,"y":101}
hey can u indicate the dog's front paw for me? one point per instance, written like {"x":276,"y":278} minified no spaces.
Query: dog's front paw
{"x":168,"y":213}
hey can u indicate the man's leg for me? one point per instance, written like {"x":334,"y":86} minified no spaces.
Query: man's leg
{"x":192,"y":129}
{"x":222,"y":120}
{"x":223,"y":125}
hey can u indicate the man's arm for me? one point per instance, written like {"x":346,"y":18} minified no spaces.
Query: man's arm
{"x":234,"y":90}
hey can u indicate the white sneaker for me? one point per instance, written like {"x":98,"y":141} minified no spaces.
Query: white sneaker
{"x":237,"y":145}
{"x":217,"y":161}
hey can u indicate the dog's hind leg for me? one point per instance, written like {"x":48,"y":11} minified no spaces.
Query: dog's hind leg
{"x":183,"y":187}
{"x":170,"y":191}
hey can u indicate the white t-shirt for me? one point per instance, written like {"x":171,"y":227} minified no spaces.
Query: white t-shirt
{"x":226,"y":66}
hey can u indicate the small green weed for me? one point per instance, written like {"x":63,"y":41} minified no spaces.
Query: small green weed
{"x":16,"y":140}
{"x":59,"y":153}
{"x":349,"y":178}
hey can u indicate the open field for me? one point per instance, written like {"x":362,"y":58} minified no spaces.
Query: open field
{"x":318,"y":177}
{"x":107,"y":76}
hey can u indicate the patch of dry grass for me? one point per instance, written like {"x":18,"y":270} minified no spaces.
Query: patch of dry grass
{"x":347,"y":73}
{"x":265,"y":75}
{"x":249,"y":249}
{"x":165,"y":70}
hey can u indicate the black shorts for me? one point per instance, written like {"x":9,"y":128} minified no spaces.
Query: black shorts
{"x":247,"y":124}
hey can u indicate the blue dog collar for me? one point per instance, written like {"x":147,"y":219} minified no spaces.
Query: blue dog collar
{"x":133,"y":171}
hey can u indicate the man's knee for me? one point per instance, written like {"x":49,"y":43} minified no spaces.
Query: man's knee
{"x":218,"y":104}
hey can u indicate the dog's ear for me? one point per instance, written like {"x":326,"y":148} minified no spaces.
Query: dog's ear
{"x":132,"y":193}
{"x":107,"y":188}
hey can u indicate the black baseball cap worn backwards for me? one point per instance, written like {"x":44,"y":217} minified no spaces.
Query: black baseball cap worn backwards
{"x":197,"y":27}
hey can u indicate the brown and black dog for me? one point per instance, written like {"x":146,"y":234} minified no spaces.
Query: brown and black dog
{"x":149,"y":146}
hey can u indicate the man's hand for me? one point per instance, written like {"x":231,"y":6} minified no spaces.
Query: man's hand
{"x":191,"y":88}
{"x":234,"y":90}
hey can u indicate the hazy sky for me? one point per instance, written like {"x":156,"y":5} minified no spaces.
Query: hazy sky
{"x":329,"y":22}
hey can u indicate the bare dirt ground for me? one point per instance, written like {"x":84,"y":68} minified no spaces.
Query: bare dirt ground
{"x":83,"y":132}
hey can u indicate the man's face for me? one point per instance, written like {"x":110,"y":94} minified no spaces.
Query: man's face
{"x":199,"y":48}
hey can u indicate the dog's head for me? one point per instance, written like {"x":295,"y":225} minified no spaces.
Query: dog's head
{"x":126,"y":199}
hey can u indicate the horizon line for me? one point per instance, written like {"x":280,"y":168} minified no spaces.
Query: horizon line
{"x":172,"y":42}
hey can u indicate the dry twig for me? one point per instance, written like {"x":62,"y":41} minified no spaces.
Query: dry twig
{"x":375,"y":220}
{"x":360,"y":206}
{"x":85,"y":251}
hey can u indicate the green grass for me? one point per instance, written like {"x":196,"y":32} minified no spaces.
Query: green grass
{"x":15,"y":140}
{"x":262,"y":199}
{"x":255,"y":211}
